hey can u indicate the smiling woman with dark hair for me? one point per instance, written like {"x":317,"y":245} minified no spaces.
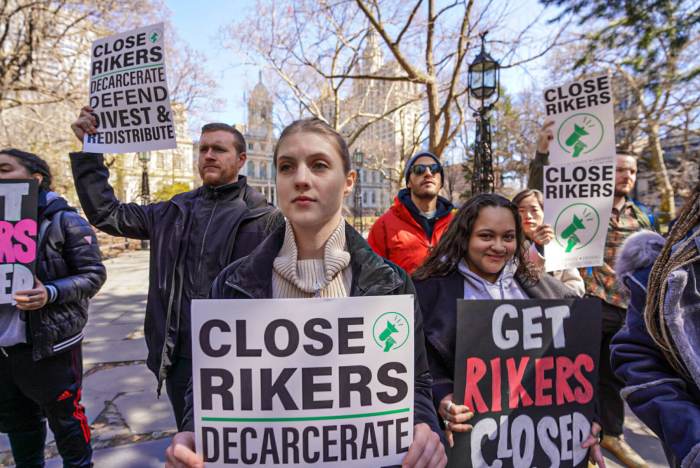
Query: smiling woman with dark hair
{"x":480,"y":256}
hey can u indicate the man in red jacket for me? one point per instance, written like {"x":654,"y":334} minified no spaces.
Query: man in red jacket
{"x":407,"y":232}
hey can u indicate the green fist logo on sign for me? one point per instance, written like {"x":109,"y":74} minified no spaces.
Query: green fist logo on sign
{"x":580,"y":134}
{"x":576,"y":226}
{"x":390,"y":331}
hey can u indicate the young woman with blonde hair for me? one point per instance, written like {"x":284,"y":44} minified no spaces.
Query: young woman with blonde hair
{"x":317,"y":254}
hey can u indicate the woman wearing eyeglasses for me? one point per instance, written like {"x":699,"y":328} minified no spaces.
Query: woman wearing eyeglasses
{"x":530,"y":203}
{"x":409,"y":230}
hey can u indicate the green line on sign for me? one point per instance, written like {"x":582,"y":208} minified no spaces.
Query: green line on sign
{"x":157,"y":65}
{"x":309,"y":418}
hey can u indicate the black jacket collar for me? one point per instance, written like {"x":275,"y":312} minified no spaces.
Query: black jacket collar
{"x":251,"y":276}
{"x":226,"y":191}
{"x":239,"y":189}
{"x":443,"y":208}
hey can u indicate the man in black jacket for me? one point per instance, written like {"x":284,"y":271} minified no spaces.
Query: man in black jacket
{"x":193,"y":236}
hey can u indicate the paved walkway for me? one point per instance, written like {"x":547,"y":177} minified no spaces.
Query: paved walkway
{"x":130,"y":426}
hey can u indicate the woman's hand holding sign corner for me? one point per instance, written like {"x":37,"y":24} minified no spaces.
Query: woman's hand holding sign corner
{"x":32,"y":299}
{"x":544,"y":136}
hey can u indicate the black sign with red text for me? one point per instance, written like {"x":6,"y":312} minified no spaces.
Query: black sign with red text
{"x":18,"y":236}
{"x":528,"y":369}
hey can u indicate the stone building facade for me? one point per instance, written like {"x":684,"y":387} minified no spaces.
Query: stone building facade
{"x":386,"y":143}
{"x":260,"y":140}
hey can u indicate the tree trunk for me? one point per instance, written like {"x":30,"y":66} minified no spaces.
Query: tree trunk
{"x":668,"y":206}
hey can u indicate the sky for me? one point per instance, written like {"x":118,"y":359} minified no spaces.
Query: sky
{"x":198,"y":24}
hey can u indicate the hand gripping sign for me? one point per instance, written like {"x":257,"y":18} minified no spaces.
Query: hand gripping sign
{"x":303,"y":381}
{"x":129,"y":93}
{"x":528,"y":369}
{"x":18,"y":238}
{"x":579,"y":184}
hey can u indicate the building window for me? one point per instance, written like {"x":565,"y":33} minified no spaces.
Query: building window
{"x":250,"y":147}
{"x":262,"y":171}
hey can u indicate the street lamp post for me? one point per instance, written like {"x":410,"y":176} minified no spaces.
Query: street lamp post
{"x":484,"y":79}
{"x":357,"y":222}
{"x":145,"y":157}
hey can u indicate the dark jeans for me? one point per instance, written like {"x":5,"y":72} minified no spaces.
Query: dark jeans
{"x":32,"y":391}
{"x":611,"y":406}
{"x":176,"y":386}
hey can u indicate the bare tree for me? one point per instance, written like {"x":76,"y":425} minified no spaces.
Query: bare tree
{"x":324,"y":52}
{"x":44,"y":71}
{"x":652,"y":47}
{"x":312,"y":47}
{"x":191,"y":85}
{"x":445,"y":36}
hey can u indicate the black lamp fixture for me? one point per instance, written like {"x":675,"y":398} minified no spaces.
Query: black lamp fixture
{"x":144,"y":158}
{"x":484,"y":80}
{"x":484,"y":76}
{"x":357,"y":157}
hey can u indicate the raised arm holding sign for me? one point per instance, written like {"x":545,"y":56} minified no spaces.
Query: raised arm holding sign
{"x":587,"y":191}
{"x":186,"y":254}
{"x":129,"y":93}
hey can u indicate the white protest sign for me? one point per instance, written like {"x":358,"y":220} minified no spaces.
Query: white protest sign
{"x":584,"y":125}
{"x":129,"y":93}
{"x":580,"y":180}
{"x":303,"y":381}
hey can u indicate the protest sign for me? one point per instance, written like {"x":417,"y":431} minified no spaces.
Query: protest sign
{"x":528,"y":369}
{"x":129,"y":93}
{"x":300,"y":382}
{"x":579,"y":184}
{"x":18,"y":236}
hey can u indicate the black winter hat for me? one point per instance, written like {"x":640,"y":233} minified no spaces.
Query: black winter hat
{"x":414,"y":158}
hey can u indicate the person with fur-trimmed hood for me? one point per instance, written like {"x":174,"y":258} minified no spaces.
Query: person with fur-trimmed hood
{"x":657,"y":353}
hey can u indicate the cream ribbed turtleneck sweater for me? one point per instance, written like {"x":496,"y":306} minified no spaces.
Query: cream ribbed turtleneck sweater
{"x":327,"y":277}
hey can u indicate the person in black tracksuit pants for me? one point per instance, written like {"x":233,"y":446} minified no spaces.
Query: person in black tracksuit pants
{"x":40,"y":338}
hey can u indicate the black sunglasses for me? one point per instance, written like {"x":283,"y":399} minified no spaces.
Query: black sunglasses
{"x":419,"y":169}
